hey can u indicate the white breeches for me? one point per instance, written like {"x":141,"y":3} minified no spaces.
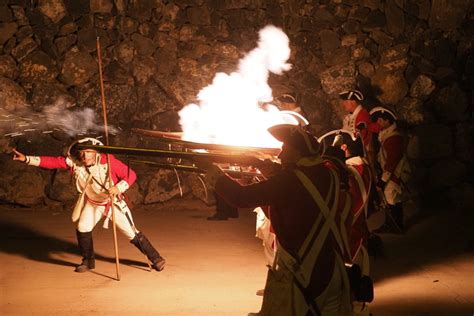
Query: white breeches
{"x":393,"y":193}
{"x":268,"y":238}
{"x":91,"y":214}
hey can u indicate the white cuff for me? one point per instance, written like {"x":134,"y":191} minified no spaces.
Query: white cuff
{"x":122,"y":186}
{"x":33,"y":161}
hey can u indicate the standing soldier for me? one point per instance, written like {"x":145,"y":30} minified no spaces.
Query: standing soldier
{"x":360,"y":180}
{"x":306,"y":210}
{"x":358,"y":121}
{"x":392,"y":160}
{"x":358,"y":118}
{"x":97,"y":198}
{"x":344,"y":146}
{"x":359,"y":185}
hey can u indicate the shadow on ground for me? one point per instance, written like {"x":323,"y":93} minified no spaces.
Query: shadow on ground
{"x":433,"y":237}
{"x":31,"y":244}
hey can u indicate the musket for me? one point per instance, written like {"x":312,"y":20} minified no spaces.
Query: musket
{"x":241,"y":159}
{"x":175,"y":138}
{"x":194,"y":169}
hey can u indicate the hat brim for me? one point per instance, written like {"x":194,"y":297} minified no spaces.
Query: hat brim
{"x":295,"y":136}
{"x":282,"y":132}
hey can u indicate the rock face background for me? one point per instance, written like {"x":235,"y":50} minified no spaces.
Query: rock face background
{"x":414,"y":56}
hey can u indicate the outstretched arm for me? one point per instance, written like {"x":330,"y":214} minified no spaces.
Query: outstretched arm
{"x":41,"y":161}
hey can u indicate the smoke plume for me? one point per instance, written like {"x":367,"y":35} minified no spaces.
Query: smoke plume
{"x":229,"y":110}
{"x":55,"y":117}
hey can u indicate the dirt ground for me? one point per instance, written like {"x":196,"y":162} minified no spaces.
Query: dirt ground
{"x":213,"y":268}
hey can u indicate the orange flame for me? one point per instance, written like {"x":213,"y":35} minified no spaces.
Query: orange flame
{"x":233,"y":109}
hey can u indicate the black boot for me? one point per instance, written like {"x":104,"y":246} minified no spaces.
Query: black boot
{"x":143,"y":244}
{"x":223,"y":210}
{"x":87,"y":250}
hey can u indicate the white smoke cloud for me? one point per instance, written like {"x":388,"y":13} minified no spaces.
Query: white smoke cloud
{"x":54,"y":117}
{"x":229,"y":111}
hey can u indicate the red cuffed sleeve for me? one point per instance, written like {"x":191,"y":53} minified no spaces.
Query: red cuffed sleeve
{"x":122,"y":175}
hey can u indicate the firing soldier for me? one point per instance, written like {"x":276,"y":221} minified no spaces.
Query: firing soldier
{"x":97,"y":198}
{"x":306,"y":205}
{"x":393,"y":161}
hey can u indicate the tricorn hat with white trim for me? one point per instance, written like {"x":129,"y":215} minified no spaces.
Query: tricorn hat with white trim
{"x":285,"y":98}
{"x":382,"y":112}
{"x":338,"y":137}
{"x":355,"y":95}
{"x":73,"y":151}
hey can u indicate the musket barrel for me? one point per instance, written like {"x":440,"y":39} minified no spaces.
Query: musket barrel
{"x":192,"y":156}
{"x":194,"y":169}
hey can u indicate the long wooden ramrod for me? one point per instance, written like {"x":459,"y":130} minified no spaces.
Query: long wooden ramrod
{"x":106,"y":131}
{"x":191,"y":156}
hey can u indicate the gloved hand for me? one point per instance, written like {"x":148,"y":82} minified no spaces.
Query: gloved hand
{"x":269,"y":168}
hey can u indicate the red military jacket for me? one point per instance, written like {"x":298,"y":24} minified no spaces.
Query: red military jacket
{"x":293,"y":212}
{"x":391,"y":152}
{"x":361,"y":115}
{"x":122,"y":175}
{"x":359,"y":187}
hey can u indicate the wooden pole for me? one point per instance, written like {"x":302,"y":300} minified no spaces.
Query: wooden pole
{"x":106,"y":131}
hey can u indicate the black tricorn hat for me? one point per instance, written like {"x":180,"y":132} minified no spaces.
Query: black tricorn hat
{"x":382,"y":112}
{"x":296,"y":137}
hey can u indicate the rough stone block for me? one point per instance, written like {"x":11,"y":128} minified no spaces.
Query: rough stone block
{"x":447,"y":172}
{"x":430,"y":142}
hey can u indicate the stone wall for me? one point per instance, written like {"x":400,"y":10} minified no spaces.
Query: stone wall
{"x":414,"y":56}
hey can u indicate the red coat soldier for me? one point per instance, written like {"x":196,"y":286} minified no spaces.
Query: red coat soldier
{"x":306,"y":206}
{"x":392,"y":160}
{"x":358,"y":118}
{"x":97,"y":198}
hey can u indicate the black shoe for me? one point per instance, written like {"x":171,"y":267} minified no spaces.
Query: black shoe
{"x":159,"y":264}
{"x":86,"y":265}
{"x":217,"y":217}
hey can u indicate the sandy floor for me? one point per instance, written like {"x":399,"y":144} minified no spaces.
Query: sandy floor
{"x":213,"y":268}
